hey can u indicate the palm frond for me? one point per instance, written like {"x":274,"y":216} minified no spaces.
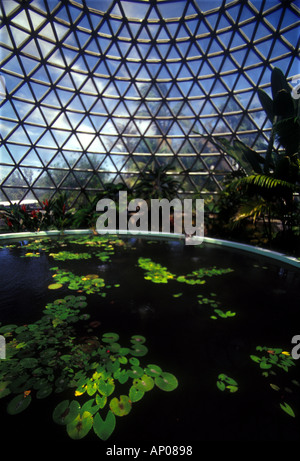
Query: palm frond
{"x":264,"y":182}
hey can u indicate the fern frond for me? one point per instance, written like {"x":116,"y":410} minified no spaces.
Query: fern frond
{"x":264,"y":182}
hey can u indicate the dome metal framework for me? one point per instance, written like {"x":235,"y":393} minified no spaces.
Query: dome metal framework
{"x":95,"y":91}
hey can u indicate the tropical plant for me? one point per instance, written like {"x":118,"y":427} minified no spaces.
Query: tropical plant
{"x":86,"y":217}
{"x":156,"y":183}
{"x":268,"y":182}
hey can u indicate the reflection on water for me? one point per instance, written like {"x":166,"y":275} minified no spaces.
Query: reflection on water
{"x":184,"y":333}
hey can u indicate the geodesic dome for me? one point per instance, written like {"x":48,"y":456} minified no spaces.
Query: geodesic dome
{"x":94,"y":91}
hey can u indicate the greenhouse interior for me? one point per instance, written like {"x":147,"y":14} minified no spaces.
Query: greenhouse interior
{"x":162,"y":136}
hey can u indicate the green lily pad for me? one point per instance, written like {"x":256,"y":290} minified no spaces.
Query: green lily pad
{"x":153,"y":370}
{"x":135,"y":372}
{"x":65,"y":412}
{"x":288,"y":409}
{"x":144,"y":383}
{"x":138,"y":339}
{"x":120,"y":407}
{"x":139,"y":350}
{"x":103,"y":428}
{"x":80,"y":426}
{"x":101,"y":400}
{"x":18,"y":404}
{"x":106,"y":387}
{"x":7,"y":328}
{"x":44,"y":392}
{"x":135,"y":394}
{"x":166,"y":382}
{"x":55,"y":286}
{"x":110,"y":337}
{"x":4,"y":390}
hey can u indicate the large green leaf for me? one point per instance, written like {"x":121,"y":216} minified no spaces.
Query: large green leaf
{"x":18,"y":404}
{"x":278,"y":82}
{"x":267,"y":103}
{"x":80,"y":426}
{"x":66,"y":411}
{"x":167,"y":382}
{"x":120,"y":407}
{"x":103,"y":428}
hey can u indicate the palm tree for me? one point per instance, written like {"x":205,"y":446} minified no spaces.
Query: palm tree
{"x":270,"y":181}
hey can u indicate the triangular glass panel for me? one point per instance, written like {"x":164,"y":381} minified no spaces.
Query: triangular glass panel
{"x":111,"y":90}
{"x":71,"y":157}
{"x":19,"y":36}
{"x":97,"y":121}
{"x":58,"y":162}
{"x":34,"y":132}
{"x":60,"y":136}
{"x":98,"y":108}
{"x":55,"y":73}
{"x":96,"y":159}
{"x":88,"y":101}
{"x":7,"y":109}
{"x":66,"y":82}
{"x":86,"y":126}
{"x":121,"y":110}
{"x":62,"y":122}
{"x":79,"y":79}
{"x":5,"y":172}
{"x":109,"y":128}
{"x":30,"y":174}
{"x":45,"y":155}
{"x":64,"y":96}
{"x":36,"y":117}
{"x":19,"y":136}
{"x":108,"y":165}
{"x":13,"y":65}
{"x":175,"y":130}
{"x":96,"y":146}
{"x":73,"y":143}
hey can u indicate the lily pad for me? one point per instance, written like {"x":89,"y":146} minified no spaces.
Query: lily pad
{"x":166,"y":382}
{"x":144,"y":383}
{"x":106,"y":387}
{"x":4,"y":390}
{"x":288,"y":409}
{"x":135,"y":394}
{"x":138,"y":339}
{"x":135,"y":372}
{"x":44,"y":392}
{"x":139,"y":350}
{"x":65,"y":412}
{"x":153,"y":370}
{"x":110,"y":337}
{"x":103,"y":428}
{"x":18,"y":404}
{"x":55,"y":286}
{"x":120,"y":407}
{"x":80,"y":426}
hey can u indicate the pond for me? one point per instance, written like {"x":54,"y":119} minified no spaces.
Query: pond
{"x":136,"y":339}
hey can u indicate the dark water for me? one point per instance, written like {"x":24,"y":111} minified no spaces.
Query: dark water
{"x":181,"y":337}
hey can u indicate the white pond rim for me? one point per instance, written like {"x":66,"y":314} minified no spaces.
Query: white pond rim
{"x":224,"y":243}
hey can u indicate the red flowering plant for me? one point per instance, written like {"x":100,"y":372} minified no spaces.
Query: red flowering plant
{"x":62,"y":217}
{"x":53,"y":214}
{"x":18,"y":219}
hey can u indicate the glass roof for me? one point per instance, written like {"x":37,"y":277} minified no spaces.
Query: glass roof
{"x":94,"y":91}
